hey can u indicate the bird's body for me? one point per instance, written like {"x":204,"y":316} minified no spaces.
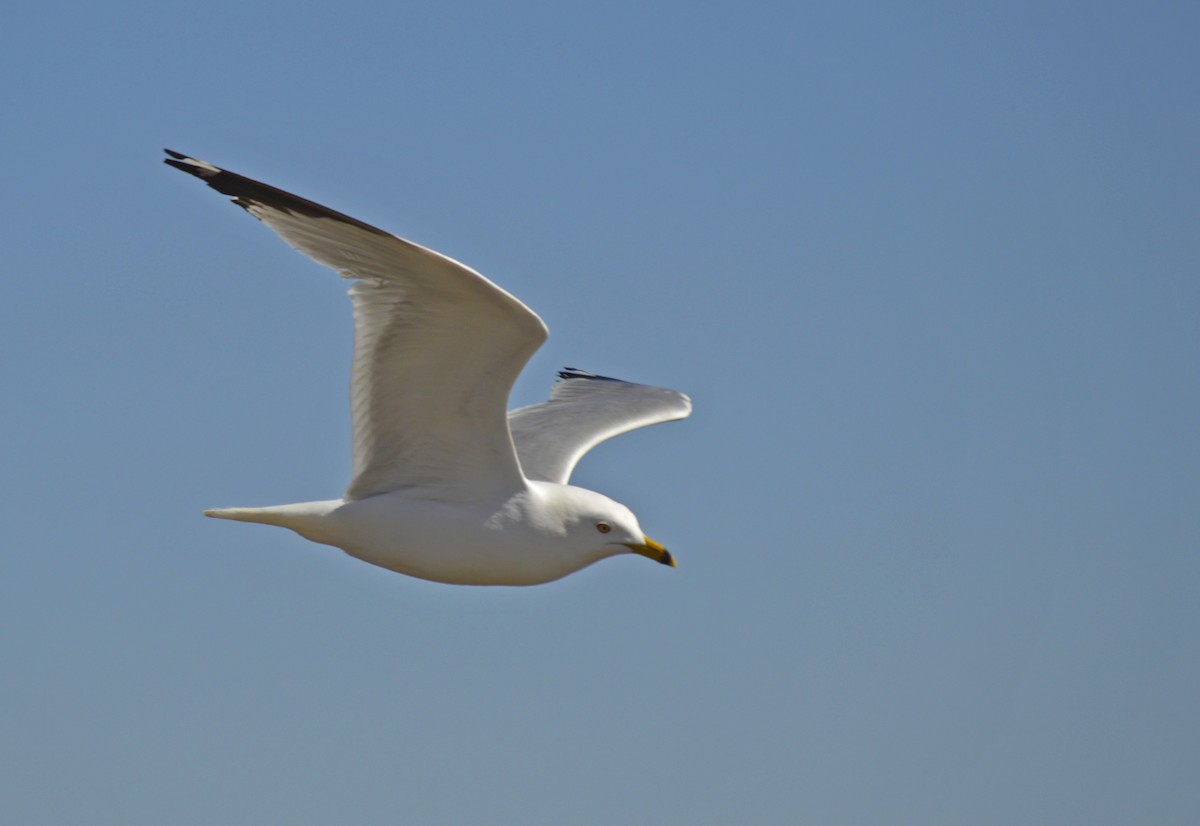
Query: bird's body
{"x":527,"y":537}
{"x":447,"y":485}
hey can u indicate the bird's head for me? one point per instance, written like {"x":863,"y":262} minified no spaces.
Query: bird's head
{"x":609,"y":528}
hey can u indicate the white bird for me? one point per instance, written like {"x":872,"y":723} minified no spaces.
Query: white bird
{"x":446,"y":485}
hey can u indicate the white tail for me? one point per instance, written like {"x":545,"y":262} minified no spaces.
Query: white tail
{"x":267,"y":516}
{"x":305,"y":518}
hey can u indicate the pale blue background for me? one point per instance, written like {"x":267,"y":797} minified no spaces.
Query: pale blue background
{"x":929,"y":271}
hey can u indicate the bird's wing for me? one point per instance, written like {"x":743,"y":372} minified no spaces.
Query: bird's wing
{"x":584,"y":410}
{"x":436,"y":349}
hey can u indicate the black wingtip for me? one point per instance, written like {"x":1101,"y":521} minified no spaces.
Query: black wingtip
{"x":181,"y":166}
{"x":188,"y":164}
{"x":568,"y":373}
{"x":247,"y":192}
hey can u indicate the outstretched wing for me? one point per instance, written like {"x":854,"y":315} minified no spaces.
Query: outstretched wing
{"x":436,"y":350}
{"x":584,"y":410}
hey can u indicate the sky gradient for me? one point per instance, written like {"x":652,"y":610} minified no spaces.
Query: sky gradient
{"x":929,"y":273}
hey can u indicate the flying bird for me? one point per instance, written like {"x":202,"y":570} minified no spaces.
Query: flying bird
{"x":448,"y":485}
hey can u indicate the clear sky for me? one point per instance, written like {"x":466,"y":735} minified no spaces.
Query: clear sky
{"x":928,"y":270}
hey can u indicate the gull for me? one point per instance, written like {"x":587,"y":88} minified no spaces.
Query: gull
{"x":447,"y":485}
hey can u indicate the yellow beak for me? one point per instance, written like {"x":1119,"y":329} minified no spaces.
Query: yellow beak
{"x":652,"y":550}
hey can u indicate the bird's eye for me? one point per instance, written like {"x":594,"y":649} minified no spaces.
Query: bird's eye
{"x":603,"y":527}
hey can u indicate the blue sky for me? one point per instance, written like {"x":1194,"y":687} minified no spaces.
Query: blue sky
{"x":927,"y":270}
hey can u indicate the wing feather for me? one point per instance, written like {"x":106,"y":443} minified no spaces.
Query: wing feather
{"x":437,"y":348}
{"x":584,"y":410}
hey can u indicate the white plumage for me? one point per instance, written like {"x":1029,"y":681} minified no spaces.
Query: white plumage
{"x":446,"y":486}
{"x":584,"y":410}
